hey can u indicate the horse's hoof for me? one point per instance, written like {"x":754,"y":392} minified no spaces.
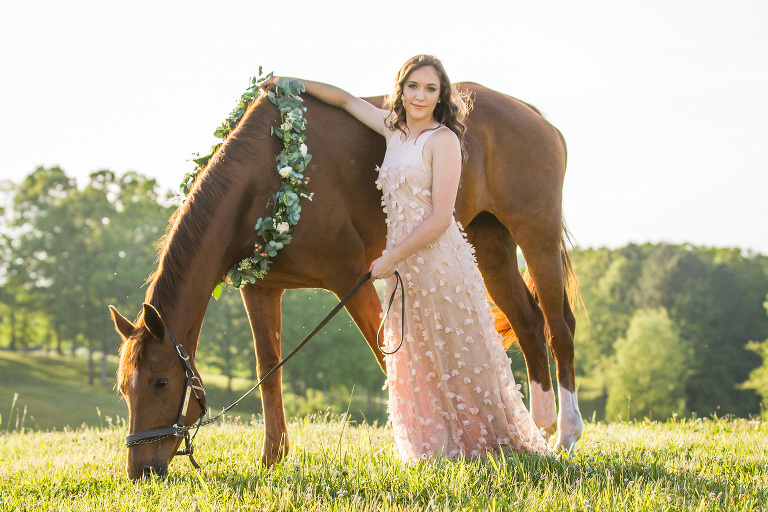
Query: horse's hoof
{"x":272,"y":457}
{"x":568,"y":436}
{"x":273,"y":453}
{"x":543,"y":408}
{"x":569,"y":422}
{"x":568,"y":447}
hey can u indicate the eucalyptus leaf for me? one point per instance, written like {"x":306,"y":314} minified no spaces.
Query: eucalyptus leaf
{"x":203,"y":160}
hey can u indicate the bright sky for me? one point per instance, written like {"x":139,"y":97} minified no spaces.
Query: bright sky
{"x":663,"y":103}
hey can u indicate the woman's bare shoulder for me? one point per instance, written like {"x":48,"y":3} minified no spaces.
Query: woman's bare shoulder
{"x":444,"y":138}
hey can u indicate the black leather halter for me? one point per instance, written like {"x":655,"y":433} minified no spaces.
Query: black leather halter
{"x":195,"y":385}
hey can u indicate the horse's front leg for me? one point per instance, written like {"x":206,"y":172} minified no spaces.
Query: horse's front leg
{"x":364,"y":308}
{"x":263,"y":307}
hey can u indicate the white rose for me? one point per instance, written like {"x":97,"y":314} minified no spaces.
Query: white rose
{"x":283,"y":227}
{"x":287,"y":126}
{"x":303,"y":150}
{"x":285,"y":171}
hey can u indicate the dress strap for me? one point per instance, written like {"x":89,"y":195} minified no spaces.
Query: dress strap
{"x":428,"y":132}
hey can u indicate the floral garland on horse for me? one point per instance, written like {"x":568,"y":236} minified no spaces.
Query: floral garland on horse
{"x":292,"y":162}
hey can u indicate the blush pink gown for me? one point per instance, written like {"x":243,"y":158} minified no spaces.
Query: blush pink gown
{"x":451,"y":389}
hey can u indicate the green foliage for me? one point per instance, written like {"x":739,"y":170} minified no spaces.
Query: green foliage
{"x":336,"y":360}
{"x":647,"y":376}
{"x":713,"y":298}
{"x":69,"y":252}
{"x":335,"y":465}
{"x":226,"y":343}
{"x":73,"y":251}
{"x":758,"y":378}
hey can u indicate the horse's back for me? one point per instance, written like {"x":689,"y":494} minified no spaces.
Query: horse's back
{"x":515,"y":160}
{"x":514,"y":169}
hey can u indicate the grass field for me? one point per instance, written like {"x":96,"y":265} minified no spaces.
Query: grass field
{"x":334,"y":465}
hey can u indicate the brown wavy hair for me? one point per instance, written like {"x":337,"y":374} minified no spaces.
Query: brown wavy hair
{"x":451,"y":110}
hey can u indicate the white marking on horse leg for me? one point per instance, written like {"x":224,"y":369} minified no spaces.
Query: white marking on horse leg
{"x":543,"y":408}
{"x":569,"y":423}
{"x":134,"y":378}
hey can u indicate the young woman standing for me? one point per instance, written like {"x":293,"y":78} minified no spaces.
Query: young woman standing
{"x":451,"y":389}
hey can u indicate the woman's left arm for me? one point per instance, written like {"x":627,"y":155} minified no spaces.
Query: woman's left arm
{"x":446,"y":173}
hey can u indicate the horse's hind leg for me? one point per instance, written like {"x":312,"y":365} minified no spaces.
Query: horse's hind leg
{"x":496,"y":253}
{"x":542,"y":251}
{"x":263,"y":307}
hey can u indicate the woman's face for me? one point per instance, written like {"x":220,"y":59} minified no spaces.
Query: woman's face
{"x":421,"y":92}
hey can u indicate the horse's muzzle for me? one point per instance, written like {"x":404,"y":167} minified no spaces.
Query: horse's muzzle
{"x":147,"y":472}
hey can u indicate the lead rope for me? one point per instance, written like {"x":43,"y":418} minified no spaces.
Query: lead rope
{"x":358,"y":285}
{"x":398,"y":281}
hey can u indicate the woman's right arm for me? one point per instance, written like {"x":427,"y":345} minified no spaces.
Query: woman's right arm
{"x":360,"y":109}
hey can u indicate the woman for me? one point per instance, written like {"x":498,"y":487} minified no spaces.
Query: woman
{"x":451,"y":390}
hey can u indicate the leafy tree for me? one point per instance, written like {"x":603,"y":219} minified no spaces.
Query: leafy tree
{"x":226,"y":342}
{"x":718,"y":312}
{"x":69,"y":242}
{"x":712,"y":296}
{"x":337,"y":355}
{"x":647,"y":377}
{"x":758,"y":378}
{"x":34,"y":209}
{"x":606,"y":279}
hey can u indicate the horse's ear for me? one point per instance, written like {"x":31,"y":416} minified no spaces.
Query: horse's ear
{"x":123,"y":326}
{"x":153,"y":322}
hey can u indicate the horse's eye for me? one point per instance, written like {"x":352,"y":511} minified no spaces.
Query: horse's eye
{"x":161,"y":383}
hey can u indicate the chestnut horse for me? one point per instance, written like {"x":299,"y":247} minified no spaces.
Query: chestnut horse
{"x":510,"y":195}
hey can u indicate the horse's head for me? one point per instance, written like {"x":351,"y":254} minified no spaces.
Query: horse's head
{"x":153,"y":379}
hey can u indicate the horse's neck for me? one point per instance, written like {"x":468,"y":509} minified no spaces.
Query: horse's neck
{"x":206,"y":238}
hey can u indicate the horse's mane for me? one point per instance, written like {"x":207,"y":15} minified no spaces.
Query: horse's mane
{"x":187,"y":225}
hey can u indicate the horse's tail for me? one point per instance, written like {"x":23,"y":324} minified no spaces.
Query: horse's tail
{"x":572,"y":293}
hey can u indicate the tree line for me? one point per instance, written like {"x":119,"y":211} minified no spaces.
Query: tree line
{"x":672,"y":330}
{"x":69,"y":250}
{"x":666,"y":329}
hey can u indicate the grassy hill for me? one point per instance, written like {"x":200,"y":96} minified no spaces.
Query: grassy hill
{"x":335,"y":465}
{"x":55,"y":392}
